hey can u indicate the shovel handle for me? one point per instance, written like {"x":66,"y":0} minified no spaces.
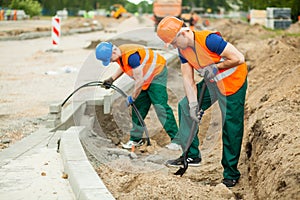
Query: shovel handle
{"x":194,"y":125}
{"x":181,"y":171}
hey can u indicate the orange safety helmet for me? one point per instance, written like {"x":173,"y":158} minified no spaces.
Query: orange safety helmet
{"x":168,"y":28}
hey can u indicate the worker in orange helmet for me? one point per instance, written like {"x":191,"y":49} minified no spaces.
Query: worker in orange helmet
{"x":225,"y":74}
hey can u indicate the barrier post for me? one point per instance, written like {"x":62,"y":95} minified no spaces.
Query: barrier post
{"x":55,"y":34}
{"x":55,"y":31}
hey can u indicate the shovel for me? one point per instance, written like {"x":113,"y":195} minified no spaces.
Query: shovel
{"x":182,"y":170}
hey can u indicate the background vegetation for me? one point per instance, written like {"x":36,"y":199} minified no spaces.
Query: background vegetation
{"x":49,"y":7}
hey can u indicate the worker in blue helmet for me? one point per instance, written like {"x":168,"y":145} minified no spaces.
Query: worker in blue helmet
{"x":148,"y":69}
{"x":104,"y":52}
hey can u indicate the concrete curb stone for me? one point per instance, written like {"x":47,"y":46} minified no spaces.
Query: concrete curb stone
{"x":83,"y":179}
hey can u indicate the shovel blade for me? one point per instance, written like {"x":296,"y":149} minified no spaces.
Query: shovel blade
{"x":180,"y":171}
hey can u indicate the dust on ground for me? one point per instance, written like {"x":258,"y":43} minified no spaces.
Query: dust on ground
{"x":270,"y":157}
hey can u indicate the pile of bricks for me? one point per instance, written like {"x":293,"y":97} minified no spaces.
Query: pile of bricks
{"x":278,"y":18}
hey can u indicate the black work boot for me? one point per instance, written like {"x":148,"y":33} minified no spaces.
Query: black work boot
{"x":229,"y":182}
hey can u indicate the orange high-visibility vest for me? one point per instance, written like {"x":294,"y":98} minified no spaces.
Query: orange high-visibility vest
{"x":229,"y":80}
{"x":151,"y":62}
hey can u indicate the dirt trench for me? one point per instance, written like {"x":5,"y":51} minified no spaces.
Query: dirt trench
{"x":271,"y":141}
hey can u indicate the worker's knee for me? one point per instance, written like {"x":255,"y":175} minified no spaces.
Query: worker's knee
{"x":183,"y":102}
{"x":183,"y":106}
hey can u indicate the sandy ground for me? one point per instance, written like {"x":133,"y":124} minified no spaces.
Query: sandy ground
{"x":32,"y":78}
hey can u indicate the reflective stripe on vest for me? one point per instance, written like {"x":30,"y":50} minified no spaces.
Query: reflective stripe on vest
{"x":146,"y":58}
{"x":144,"y":63}
{"x":224,"y":74}
{"x":153,"y":64}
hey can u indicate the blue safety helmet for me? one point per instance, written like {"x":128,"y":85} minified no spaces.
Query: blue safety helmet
{"x":104,"y":52}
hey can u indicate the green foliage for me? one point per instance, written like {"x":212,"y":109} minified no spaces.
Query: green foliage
{"x":145,"y":7}
{"x":73,"y":6}
{"x":31,"y":7}
{"x":215,"y":4}
{"x":51,"y":6}
{"x":4,"y":3}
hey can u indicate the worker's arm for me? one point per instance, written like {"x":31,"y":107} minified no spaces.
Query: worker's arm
{"x":233,"y":57}
{"x":139,"y":81}
{"x":189,"y":82}
{"x":215,"y":43}
{"x":117,"y":74}
{"x":108,"y":82}
{"x":134,"y":60}
{"x":190,"y":88}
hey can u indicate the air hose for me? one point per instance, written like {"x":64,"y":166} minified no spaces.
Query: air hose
{"x":121,"y":92}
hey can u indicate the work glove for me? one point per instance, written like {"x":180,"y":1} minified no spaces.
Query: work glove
{"x":209,"y":71}
{"x":195,"y":114}
{"x":129,"y":101}
{"x":108,"y":82}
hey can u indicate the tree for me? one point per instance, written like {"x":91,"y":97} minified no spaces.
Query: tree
{"x":214,"y":5}
{"x":4,"y":3}
{"x":31,"y":7}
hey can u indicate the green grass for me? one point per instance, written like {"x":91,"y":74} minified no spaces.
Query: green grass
{"x":278,"y":32}
{"x":292,"y":34}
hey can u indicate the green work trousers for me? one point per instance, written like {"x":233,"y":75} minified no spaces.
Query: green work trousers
{"x":232,"y":109}
{"x":157,"y":95}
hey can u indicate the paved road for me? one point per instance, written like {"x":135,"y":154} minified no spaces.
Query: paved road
{"x":32,"y":170}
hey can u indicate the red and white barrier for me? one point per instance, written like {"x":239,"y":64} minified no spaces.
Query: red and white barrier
{"x":55,"y":31}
